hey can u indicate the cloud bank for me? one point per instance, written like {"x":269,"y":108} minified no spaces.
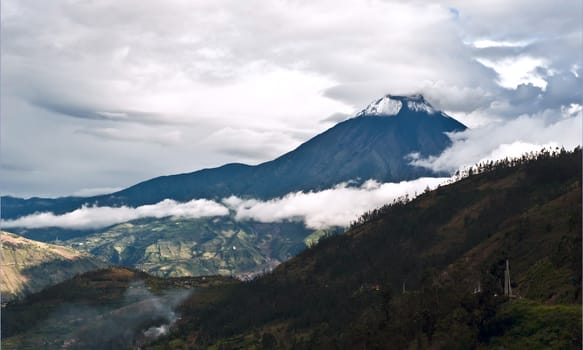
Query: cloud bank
{"x":337,"y":206}
{"x":509,"y":139}
{"x":88,"y":217}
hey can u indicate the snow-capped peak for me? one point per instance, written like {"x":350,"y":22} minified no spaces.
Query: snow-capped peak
{"x":391,"y":105}
{"x":418,"y":103}
{"x":386,"y":106}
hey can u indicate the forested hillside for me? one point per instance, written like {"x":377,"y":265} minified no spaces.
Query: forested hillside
{"x":113,"y":308}
{"x":424,"y":274}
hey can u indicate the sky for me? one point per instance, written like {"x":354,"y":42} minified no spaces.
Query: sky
{"x":99,"y":95}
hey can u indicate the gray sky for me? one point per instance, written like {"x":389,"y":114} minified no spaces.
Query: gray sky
{"x":98,"y":95}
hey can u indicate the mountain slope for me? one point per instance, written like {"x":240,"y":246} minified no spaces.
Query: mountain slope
{"x":190,"y":247}
{"x":111,"y":308}
{"x":369,"y":146}
{"x":373,"y":145}
{"x":29,"y":266}
{"x":424,"y":274}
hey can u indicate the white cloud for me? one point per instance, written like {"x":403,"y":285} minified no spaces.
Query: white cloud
{"x":89,"y":217}
{"x":337,"y":206}
{"x":518,"y":70}
{"x":509,"y":139}
{"x":487,"y":43}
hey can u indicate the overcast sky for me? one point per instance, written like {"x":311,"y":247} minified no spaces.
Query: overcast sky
{"x":99,"y":95}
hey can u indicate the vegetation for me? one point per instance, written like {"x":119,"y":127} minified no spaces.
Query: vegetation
{"x":102,"y":309}
{"x":426,"y":273}
{"x":532,"y":325}
{"x":172,"y":247}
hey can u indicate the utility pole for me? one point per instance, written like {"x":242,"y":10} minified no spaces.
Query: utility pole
{"x":507,"y":286}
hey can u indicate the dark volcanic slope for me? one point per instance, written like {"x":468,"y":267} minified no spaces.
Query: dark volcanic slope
{"x":447,"y":249}
{"x":366,"y":147}
{"x":373,"y":145}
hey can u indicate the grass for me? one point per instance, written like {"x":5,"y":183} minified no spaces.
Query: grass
{"x":532,"y":325}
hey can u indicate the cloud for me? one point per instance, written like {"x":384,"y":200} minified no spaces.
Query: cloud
{"x":509,"y":139}
{"x":338,"y":206}
{"x":250,"y":145}
{"x":136,"y":134}
{"x":77,"y":75}
{"x":89,"y":217}
{"x":77,"y":110}
{"x":518,"y":70}
{"x":487,"y":43}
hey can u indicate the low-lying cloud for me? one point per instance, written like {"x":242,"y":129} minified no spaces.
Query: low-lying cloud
{"x":91,"y":217}
{"x":508,"y":139}
{"x":336,"y":206}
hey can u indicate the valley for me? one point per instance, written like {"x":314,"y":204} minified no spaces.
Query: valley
{"x":173,"y":247}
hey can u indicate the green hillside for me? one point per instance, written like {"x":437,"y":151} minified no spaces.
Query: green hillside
{"x":423,"y":274}
{"x":172,"y":247}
